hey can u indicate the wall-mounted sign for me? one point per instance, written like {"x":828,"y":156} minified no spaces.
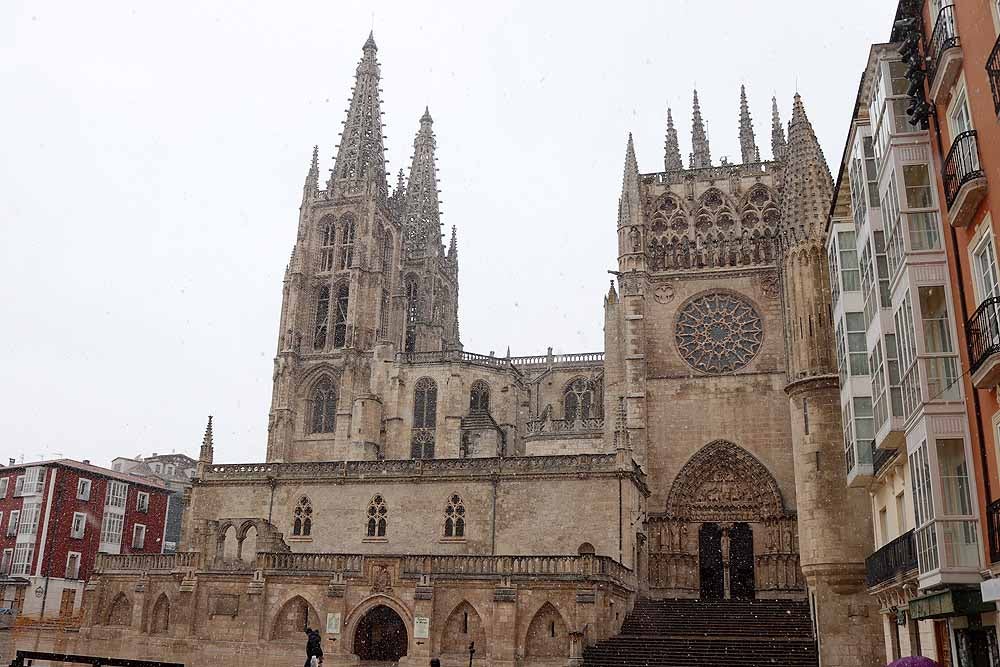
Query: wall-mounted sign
{"x":333,"y":623}
{"x":421,"y":627}
{"x":990,"y":589}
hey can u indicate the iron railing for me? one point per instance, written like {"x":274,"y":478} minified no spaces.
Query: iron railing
{"x":881,"y":458}
{"x":943,"y":38}
{"x":993,"y":73}
{"x":983,"y":332}
{"x":22,"y":658}
{"x":894,"y":558}
{"x":993,"y":529}
{"x":962,"y":165}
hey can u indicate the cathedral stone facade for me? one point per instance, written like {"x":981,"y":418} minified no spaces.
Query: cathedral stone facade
{"x":416,"y":497}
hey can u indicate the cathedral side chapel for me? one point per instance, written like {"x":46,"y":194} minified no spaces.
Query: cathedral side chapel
{"x":417,"y":497}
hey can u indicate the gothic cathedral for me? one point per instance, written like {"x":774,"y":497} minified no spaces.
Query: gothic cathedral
{"x":417,"y":497}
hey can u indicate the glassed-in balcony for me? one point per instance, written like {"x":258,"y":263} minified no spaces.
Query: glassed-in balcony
{"x":895,"y":558}
{"x":944,"y":54}
{"x":983,"y":333}
{"x":964,"y":179}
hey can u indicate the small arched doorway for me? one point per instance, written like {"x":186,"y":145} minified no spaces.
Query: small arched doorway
{"x":380,"y":635}
{"x":741,"y":579}
{"x":710,"y":572}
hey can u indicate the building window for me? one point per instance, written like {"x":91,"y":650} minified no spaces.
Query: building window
{"x":12,"y":521}
{"x":834,"y":271}
{"x":347,"y":246}
{"x":378,"y":514}
{"x":117,"y":492}
{"x":324,"y":406}
{"x":111,"y":530}
{"x":138,"y":536}
{"x":340,"y":317}
{"x":805,"y":415}
{"x":386,"y":254}
{"x":34,"y":481}
{"x":479,"y":397}
{"x":329,"y":234}
{"x":302,"y":519}
{"x":79,"y":527}
{"x":73,"y":565}
{"x":31,"y":513}
{"x":906,"y":346}
{"x":984,"y":272}
{"x":942,"y":363}
{"x":857,"y":354}
{"x":922,"y":225}
{"x":580,"y":400}
{"x":412,"y":309}
{"x":19,"y":486}
{"x":83,"y":489}
{"x":454,"y":517}
{"x":424,"y":419}
{"x":142,"y":502}
{"x":7,"y":561}
{"x":4,"y":483}
{"x":22,"y":558}
{"x":383,"y":316}
{"x":850,"y":273}
{"x":169,"y":470}
{"x":322,"y":317}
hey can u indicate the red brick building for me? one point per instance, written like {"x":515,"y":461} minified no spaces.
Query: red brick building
{"x":55,"y":516}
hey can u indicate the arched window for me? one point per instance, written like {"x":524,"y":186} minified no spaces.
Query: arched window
{"x":302,"y":521}
{"x":424,"y":419}
{"x":328,"y":233}
{"x":387,"y":252}
{"x":479,"y":397}
{"x":383,"y":316}
{"x":412,"y":304}
{"x":580,"y":400}
{"x":454,"y":517}
{"x":322,"y":317}
{"x":347,"y":243}
{"x":324,"y":406}
{"x":378,"y":514}
{"x":340,"y":317}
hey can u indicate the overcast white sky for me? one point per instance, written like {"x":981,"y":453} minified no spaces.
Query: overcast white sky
{"x":153,"y":156}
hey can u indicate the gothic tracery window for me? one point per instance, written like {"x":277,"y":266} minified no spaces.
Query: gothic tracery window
{"x":340,"y":317}
{"x":454,"y":517}
{"x":479,"y":397}
{"x":378,"y":514}
{"x":412,"y":303}
{"x":718,"y":332}
{"x":302,"y":518}
{"x":328,"y":231}
{"x":580,"y":401}
{"x":347,"y":243}
{"x":322,"y":317}
{"x":323,"y":401}
{"x":424,"y":419}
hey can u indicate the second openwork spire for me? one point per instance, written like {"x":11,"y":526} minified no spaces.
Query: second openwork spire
{"x":748,"y":143}
{"x":701,"y":155}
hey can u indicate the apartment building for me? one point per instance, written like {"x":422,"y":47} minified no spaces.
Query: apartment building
{"x":56,"y":516}
{"x":176,"y":472}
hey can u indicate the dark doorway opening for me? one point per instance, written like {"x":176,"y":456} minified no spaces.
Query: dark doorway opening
{"x":741,"y":581}
{"x":380,"y":636}
{"x":976,"y":646}
{"x":710,"y":562}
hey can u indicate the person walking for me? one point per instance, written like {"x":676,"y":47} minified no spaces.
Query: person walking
{"x":313,"y":648}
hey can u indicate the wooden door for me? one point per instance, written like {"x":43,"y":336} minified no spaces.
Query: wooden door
{"x":67,"y":602}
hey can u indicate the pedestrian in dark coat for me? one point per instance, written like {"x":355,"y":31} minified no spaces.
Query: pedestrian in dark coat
{"x":313,"y":647}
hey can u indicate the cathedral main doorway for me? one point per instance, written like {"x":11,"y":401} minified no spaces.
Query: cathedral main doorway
{"x":741,"y":575}
{"x":725,"y":561}
{"x":380,"y":636}
{"x":711,"y":575}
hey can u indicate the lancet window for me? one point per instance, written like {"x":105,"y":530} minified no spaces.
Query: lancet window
{"x":581,"y":400}
{"x":424,"y":419}
{"x":378,"y":516}
{"x":302,"y":518}
{"x":323,"y":401}
{"x":328,"y":233}
{"x":479,"y":397}
{"x":340,"y":317}
{"x":347,"y":243}
{"x":411,"y":313}
{"x":322,"y":317}
{"x":454,"y":517}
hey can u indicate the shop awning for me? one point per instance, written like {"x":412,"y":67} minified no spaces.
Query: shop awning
{"x":957,"y":602}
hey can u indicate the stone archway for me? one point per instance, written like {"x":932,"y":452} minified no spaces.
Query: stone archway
{"x":380,"y":635}
{"x":703,"y":542}
{"x":293,"y":618}
{"x":159,"y":622}
{"x":547,"y":636}
{"x":463,"y":627}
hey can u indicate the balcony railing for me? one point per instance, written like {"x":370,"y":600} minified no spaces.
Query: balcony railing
{"x":896,"y":557}
{"x":943,"y":38}
{"x":993,"y":529}
{"x":993,"y":73}
{"x":962,"y":165}
{"x":983,"y":332}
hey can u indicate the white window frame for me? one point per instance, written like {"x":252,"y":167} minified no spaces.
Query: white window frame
{"x":117,"y":495}
{"x":76,"y":572}
{"x":136,"y":532}
{"x":4,"y":483}
{"x":23,"y":553}
{"x":983,"y":239}
{"x":6,"y":561}
{"x":83,"y":488}
{"x":12,"y":521}
{"x":73,"y":531}
{"x":959,"y":106}
{"x":142,"y":502}
{"x":19,"y":486}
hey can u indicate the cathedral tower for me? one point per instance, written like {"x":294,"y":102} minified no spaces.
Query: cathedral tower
{"x":833,"y":520}
{"x":336,"y":302}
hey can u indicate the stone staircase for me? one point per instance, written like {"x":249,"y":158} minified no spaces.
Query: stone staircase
{"x":701,"y":633}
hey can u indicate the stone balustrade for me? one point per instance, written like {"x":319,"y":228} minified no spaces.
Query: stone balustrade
{"x":590,"y":426}
{"x":146,"y":562}
{"x":310,"y":562}
{"x":493,"y":361}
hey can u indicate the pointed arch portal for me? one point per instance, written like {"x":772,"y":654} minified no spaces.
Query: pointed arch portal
{"x":380,"y":635}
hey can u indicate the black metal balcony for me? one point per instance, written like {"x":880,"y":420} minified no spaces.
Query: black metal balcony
{"x":881,"y":458}
{"x":993,"y":73}
{"x":993,"y":529}
{"x":894,"y":558}
{"x":943,"y":38}
{"x":962,"y":165}
{"x":983,"y":332}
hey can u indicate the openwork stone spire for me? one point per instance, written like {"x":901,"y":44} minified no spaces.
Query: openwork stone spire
{"x":671,"y":149}
{"x":453,"y":246}
{"x":777,"y":133}
{"x":628,"y":204}
{"x":360,"y":162}
{"x":422,"y":218}
{"x":312,"y":176}
{"x":206,"y":453}
{"x":701,"y":155}
{"x":748,"y":143}
{"x":808,"y":187}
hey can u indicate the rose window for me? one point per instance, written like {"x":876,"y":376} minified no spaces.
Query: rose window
{"x":718,"y":332}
